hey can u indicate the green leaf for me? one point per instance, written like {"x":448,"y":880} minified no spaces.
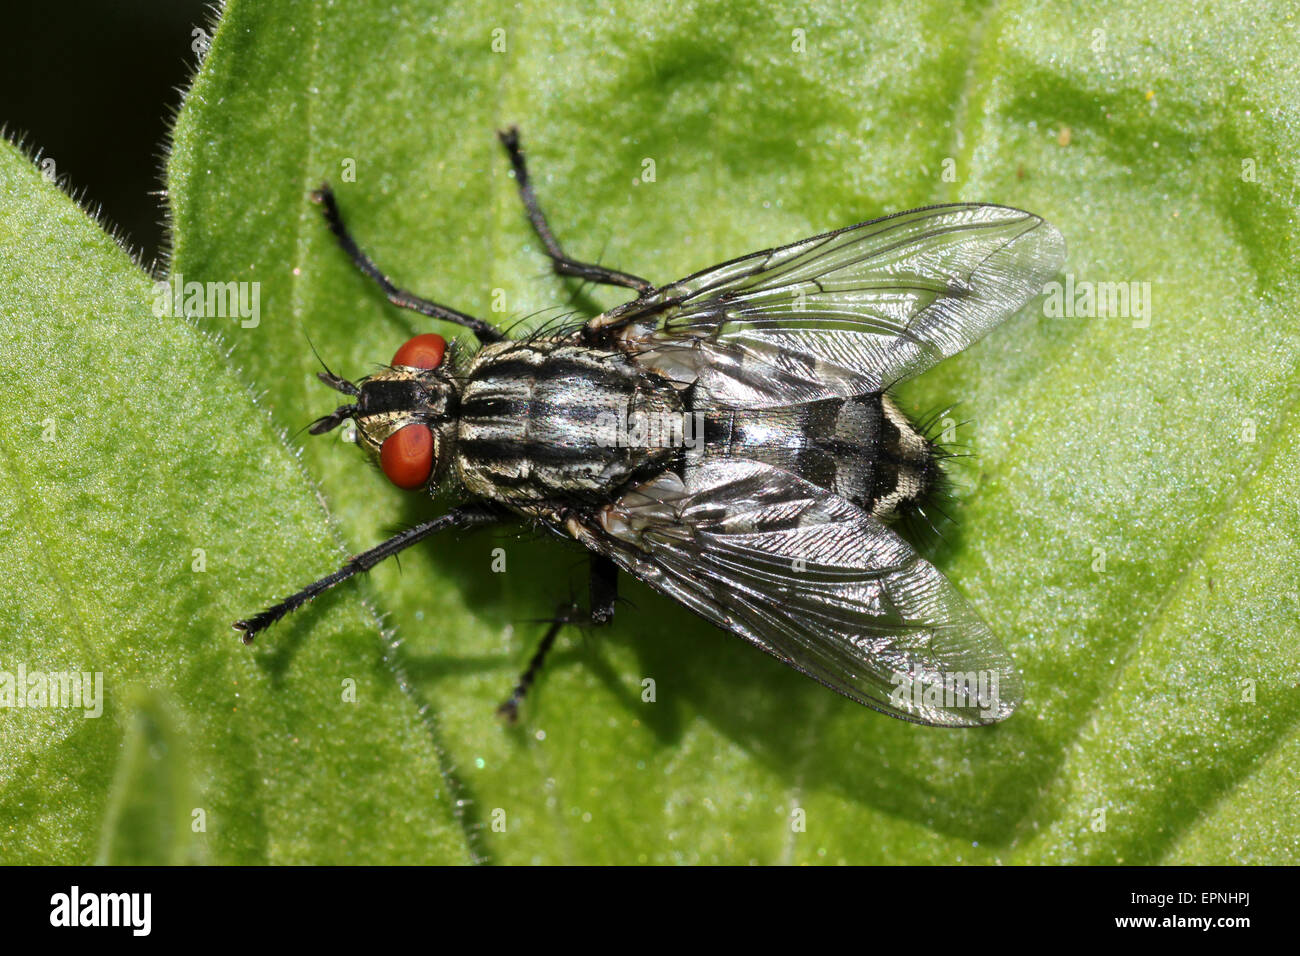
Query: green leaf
{"x":1129,"y":526}
{"x":144,"y":492}
{"x":149,"y":818}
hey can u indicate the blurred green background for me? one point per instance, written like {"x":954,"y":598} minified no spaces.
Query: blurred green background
{"x":94,"y":85}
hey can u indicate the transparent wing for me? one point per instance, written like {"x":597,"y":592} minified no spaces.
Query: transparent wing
{"x":816,"y":582}
{"x":845,"y":313}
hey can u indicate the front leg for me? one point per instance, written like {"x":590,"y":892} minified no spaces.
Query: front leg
{"x":464,"y":517}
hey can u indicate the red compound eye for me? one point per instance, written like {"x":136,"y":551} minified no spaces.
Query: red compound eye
{"x":407,"y":456}
{"x":423,"y":351}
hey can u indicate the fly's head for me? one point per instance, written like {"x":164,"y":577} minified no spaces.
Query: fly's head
{"x":405,"y":414}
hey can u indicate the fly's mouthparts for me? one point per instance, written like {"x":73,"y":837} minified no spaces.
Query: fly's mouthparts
{"x":341,"y":414}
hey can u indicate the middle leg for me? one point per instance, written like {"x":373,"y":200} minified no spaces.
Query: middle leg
{"x":603,"y":596}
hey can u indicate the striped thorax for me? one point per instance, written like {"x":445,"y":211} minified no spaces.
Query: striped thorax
{"x":549,"y":420}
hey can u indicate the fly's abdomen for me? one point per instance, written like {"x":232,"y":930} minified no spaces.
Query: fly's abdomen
{"x":862,"y":448}
{"x":550,"y":420}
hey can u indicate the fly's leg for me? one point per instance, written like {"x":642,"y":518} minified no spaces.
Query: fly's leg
{"x":468,"y":516}
{"x":603,"y":589}
{"x":508,"y":710}
{"x":562,"y":264}
{"x":399,"y":297}
{"x":604,"y":594}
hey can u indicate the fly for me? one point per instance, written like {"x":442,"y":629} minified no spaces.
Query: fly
{"x":728,"y":438}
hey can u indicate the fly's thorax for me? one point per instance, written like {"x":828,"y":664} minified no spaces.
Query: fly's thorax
{"x":399,"y":396}
{"x":553,"y":419}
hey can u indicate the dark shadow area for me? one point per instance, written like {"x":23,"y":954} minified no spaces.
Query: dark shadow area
{"x":93,"y":86}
